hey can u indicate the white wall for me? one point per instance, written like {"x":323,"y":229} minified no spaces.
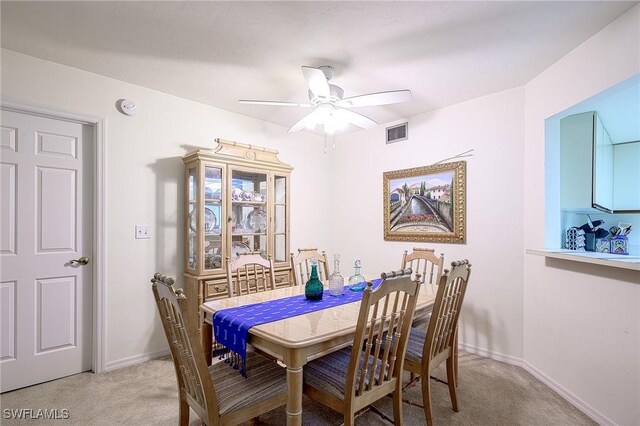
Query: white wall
{"x":145,"y":177}
{"x":493,"y":127}
{"x":581,"y":322}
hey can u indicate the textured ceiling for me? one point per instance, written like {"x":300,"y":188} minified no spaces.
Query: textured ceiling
{"x":219,"y":52}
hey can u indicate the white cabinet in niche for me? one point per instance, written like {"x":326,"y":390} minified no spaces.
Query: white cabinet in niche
{"x":576,"y":140}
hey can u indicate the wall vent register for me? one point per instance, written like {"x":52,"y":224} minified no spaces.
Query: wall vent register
{"x":398,"y":133}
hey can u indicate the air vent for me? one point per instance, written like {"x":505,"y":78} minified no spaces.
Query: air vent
{"x":398,"y":133}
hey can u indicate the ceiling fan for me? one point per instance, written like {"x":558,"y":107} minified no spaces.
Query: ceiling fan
{"x":331,"y":109}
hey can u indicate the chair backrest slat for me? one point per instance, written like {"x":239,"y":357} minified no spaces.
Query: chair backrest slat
{"x":388,"y":353}
{"x":446,"y":310}
{"x":393,"y":354}
{"x":301,"y":265}
{"x":368,"y":346}
{"x":382,"y":330}
{"x":250,"y":273}
{"x":307,"y":273}
{"x":451,"y":307}
{"x":379,"y":343}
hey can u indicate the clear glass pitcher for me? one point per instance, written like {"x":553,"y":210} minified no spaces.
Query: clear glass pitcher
{"x":336,"y":281}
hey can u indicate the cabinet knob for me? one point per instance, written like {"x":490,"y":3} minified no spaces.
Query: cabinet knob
{"x":229,"y":219}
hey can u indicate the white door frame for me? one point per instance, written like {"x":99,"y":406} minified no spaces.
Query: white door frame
{"x":99,"y":216}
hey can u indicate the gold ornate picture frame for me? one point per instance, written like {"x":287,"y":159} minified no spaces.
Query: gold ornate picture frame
{"x":426,"y":204}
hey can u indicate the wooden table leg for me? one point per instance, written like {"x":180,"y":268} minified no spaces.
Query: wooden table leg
{"x":294,"y":395}
{"x":206,"y":339}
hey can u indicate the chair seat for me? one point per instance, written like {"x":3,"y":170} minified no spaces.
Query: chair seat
{"x":329,"y":373}
{"x":422,"y":320}
{"x":265,"y":379}
{"x":415,"y":344}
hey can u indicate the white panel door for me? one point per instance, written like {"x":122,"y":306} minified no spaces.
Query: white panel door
{"x":46,"y":214}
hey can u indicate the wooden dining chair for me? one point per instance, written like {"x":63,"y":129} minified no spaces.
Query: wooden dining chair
{"x":425,"y":262}
{"x":301,"y":265}
{"x":425,"y":351}
{"x":250,"y":273}
{"x":351,"y":379}
{"x":218,"y":394}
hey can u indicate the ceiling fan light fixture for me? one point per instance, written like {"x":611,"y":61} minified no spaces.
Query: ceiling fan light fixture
{"x":310,"y":124}
{"x":333,"y":123}
{"x":316,"y":117}
{"x":330,"y":127}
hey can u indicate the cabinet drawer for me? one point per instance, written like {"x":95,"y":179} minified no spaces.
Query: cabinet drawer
{"x":215,"y":288}
{"x":283,"y":279}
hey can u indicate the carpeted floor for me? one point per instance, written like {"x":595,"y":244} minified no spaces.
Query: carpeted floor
{"x":490,"y":393}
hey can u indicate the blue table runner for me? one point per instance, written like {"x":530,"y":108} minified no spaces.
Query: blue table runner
{"x":231,"y":326}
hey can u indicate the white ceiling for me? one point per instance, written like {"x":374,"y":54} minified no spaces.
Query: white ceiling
{"x":218,"y":52}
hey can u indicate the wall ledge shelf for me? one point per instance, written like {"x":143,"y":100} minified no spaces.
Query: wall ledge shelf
{"x":605,"y":259}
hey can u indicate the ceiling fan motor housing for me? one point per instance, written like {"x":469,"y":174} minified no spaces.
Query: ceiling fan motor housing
{"x":328,"y":71}
{"x":335,"y":94}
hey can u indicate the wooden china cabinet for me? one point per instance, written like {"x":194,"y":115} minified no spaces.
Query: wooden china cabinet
{"x":236,"y":201}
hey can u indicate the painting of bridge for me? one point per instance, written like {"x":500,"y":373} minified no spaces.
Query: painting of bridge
{"x":423,"y":204}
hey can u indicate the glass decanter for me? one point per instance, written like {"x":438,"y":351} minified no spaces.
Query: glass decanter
{"x":313,"y":289}
{"x":357,"y":281}
{"x":336,"y":282}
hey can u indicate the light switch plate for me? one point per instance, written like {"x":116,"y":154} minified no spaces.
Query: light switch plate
{"x":143,"y":232}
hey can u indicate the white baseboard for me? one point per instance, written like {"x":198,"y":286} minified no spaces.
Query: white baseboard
{"x":594,"y":414}
{"x":574,"y":400}
{"x":136,"y":359}
{"x":497,"y":356}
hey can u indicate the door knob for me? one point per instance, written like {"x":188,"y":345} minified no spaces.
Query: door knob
{"x":82,"y":261}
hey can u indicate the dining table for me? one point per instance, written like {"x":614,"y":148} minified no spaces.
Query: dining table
{"x":297,"y":340}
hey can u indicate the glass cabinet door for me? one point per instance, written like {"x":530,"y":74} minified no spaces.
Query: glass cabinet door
{"x":212,"y":218}
{"x":280,"y":219}
{"x":249,"y":223}
{"x":192,"y":235}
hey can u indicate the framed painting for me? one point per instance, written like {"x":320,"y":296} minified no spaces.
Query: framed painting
{"x":426,"y":204}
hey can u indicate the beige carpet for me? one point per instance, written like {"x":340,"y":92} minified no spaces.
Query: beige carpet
{"x":490,"y":393}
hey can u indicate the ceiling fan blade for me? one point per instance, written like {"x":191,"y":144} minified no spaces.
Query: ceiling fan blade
{"x":310,"y":121}
{"x":354,"y":118}
{"x":317,"y":82}
{"x":375,"y":99}
{"x":275,"y":103}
